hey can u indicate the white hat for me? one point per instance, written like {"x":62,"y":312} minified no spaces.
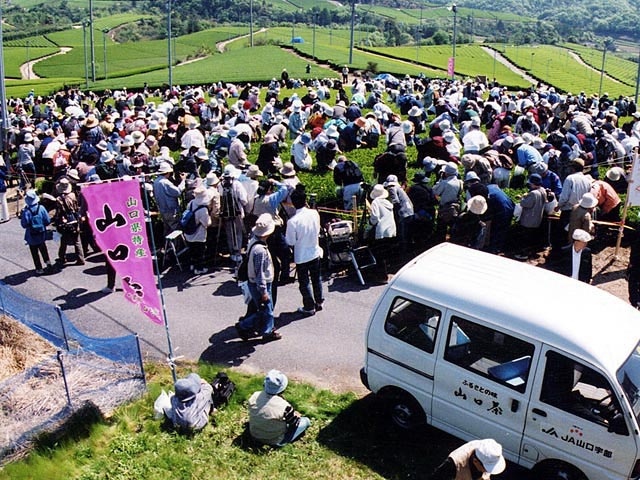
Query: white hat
{"x":165,"y":168}
{"x":106,"y":156}
{"x":391,"y":180}
{"x":407,"y":126}
{"x":415,"y":111}
{"x":615,"y":173}
{"x":449,"y":136}
{"x":477,"y":205}
{"x":230,"y":171}
{"x":581,"y":235}
{"x":588,"y":200}
{"x":450,"y":168}
{"x":202,"y":154}
{"x":489,"y":452}
{"x":475,"y":121}
{"x":378,"y":190}
{"x":211,"y":179}
{"x":265,"y":225}
{"x":137,"y":136}
{"x":253,"y":172}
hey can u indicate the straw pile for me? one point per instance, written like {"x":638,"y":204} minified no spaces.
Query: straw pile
{"x":20,"y":348}
{"x":35,"y":400}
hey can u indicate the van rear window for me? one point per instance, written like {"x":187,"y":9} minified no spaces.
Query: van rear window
{"x":413,"y":323}
{"x":493,"y":354}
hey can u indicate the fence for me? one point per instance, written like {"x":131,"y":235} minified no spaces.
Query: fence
{"x":100,"y":372}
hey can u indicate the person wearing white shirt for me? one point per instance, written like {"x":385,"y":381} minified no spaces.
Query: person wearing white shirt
{"x":303,"y":231}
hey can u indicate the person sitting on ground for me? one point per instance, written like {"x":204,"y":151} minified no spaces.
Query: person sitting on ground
{"x":191,"y":404}
{"x":272,"y":420}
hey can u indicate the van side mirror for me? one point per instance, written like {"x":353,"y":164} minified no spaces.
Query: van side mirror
{"x":617,"y":425}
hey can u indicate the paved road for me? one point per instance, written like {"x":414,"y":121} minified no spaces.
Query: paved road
{"x":326,"y":350}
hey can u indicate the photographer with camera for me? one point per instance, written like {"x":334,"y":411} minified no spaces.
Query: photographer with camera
{"x":272,"y":420}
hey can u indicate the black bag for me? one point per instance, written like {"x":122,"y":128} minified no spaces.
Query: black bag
{"x":223,"y":388}
{"x":243,"y":269}
{"x":229,"y":205}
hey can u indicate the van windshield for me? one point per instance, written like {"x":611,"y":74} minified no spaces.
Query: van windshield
{"x":629,"y":379}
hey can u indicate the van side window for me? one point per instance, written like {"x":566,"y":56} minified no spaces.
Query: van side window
{"x":578,"y":389}
{"x":493,"y":354}
{"x":413,"y":323}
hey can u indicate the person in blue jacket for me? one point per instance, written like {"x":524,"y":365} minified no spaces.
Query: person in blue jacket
{"x":34,"y":219}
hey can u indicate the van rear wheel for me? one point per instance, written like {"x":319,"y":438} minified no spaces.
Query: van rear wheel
{"x":557,"y":471}
{"x":405,"y":412}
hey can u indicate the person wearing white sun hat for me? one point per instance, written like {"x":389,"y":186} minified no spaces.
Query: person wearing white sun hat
{"x":475,"y":460}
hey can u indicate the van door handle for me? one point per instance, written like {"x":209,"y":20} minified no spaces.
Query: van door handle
{"x":537,"y":411}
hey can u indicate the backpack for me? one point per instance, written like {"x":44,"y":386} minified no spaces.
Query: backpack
{"x":229,"y":207}
{"x":243,"y":269}
{"x":188,"y":223}
{"x":223,"y":388}
{"x":35,"y":221}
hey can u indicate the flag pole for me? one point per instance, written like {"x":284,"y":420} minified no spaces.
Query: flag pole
{"x":630,"y":185}
{"x":171,"y":359}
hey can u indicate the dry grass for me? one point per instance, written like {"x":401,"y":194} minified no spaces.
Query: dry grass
{"x":20,"y":348}
{"x":33,"y":398}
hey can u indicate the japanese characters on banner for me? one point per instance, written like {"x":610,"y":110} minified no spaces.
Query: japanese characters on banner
{"x":451,"y":66}
{"x":634,"y":183}
{"x":117,"y":218}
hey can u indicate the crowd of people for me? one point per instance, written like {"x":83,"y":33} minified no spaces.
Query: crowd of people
{"x":467,"y":141}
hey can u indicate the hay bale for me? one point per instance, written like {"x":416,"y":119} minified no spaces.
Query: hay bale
{"x":20,"y":347}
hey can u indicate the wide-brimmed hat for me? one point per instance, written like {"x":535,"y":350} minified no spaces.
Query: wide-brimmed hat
{"x":450,"y":169}
{"x":107,"y":156}
{"x":230,"y":171}
{"x":102,"y":145}
{"x":150,"y":141}
{"x":31,"y":197}
{"x":288,"y":170}
{"x":475,"y":121}
{"x":137,"y":136}
{"x":535,"y":179}
{"x":211,"y":179}
{"x":305,"y":138}
{"x":615,"y":173}
{"x":127,"y":141}
{"x":91,"y":121}
{"x":202,"y":195}
{"x":471,"y":177}
{"x":332,"y":131}
{"x":489,"y":453}
{"x":265,"y":225}
{"x":275,"y":382}
{"x":449,"y":136}
{"x":63,"y":185}
{"x":253,"y":172}
{"x":28,"y":137}
{"x":360,"y":122}
{"x":202,"y":154}
{"x":73,"y":174}
{"x":588,"y":200}
{"x":378,"y":190}
{"x":407,"y":127}
{"x":188,"y":388}
{"x":415,"y":111}
{"x":165,"y":167}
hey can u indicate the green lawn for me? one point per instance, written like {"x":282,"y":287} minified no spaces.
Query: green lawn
{"x":349,"y":438}
{"x":16,"y":56}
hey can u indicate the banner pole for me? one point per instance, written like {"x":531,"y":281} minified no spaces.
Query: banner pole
{"x":630,"y":185}
{"x":147,"y":213}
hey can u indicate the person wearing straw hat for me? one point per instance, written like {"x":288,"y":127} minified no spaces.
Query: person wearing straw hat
{"x":67,"y":219}
{"x":34,"y":219}
{"x":475,"y":460}
{"x":261,"y":277}
{"x":272,"y":420}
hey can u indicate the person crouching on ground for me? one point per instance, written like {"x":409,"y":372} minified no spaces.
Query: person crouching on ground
{"x":261,"y":277}
{"x":272,"y":420}
{"x":475,"y":460}
{"x":191,"y":405}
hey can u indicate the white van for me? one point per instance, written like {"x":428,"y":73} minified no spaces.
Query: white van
{"x":485,"y":347}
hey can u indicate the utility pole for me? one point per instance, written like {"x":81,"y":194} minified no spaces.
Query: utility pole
{"x":93,"y":52}
{"x":604,"y":58}
{"x":454,"y":9}
{"x":104,"y":51}
{"x":353,"y":21}
{"x":638,"y":79}
{"x":251,"y":22}
{"x":169,"y":59}
{"x":313,"y":54}
{"x":86,"y":61}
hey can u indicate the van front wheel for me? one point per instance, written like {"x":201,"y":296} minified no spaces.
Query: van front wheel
{"x":557,"y":471}
{"x":405,"y":412}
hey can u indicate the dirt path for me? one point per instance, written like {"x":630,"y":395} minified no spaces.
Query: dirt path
{"x":505,"y":61}
{"x":220,"y":46}
{"x":26,"y":69}
{"x":577,"y":58}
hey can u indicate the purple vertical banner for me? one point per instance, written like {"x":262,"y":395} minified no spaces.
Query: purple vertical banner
{"x":451,"y":66}
{"x":117,"y":218}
